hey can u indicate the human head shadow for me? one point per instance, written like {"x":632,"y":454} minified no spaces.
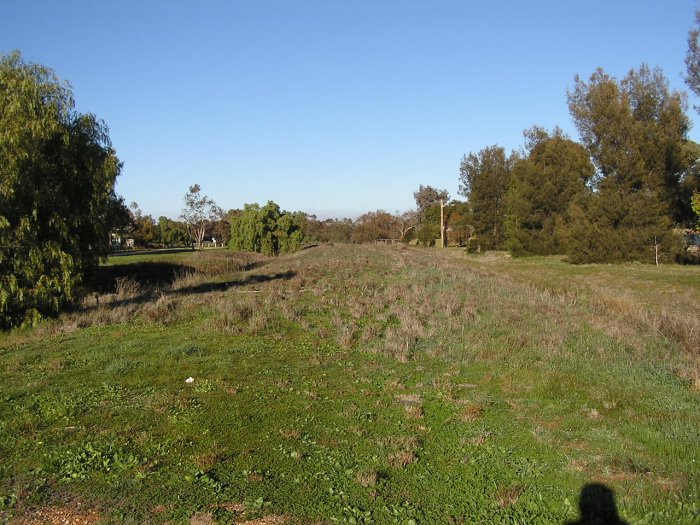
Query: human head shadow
{"x":597,"y":506}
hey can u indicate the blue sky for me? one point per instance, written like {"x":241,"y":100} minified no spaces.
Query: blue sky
{"x":330,"y":107}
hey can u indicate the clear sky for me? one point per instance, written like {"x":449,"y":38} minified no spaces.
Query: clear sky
{"x":334,"y":107}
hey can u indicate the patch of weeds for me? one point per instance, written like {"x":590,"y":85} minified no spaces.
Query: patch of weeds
{"x":206,"y":479}
{"x":32,"y":491}
{"x":8,"y":501}
{"x":186,"y":351}
{"x":355,"y":515}
{"x":630,"y":465}
{"x":255,"y":507}
{"x":257,"y":504}
{"x":404,"y":513}
{"x":111,"y":392}
{"x":122,"y":366}
{"x":204,"y":386}
{"x":88,"y":459}
{"x":163,"y":311}
{"x":62,"y":406}
{"x":375,"y":377}
{"x":224,"y":516}
{"x":528,"y":468}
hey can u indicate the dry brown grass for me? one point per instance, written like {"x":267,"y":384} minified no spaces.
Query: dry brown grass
{"x":472,"y":412}
{"x":408,"y":399}
{"x":216,"y":263}
{"x":632,"y":317}
{"x":164,"y":310}
{"x":401,"y":459}
{"x":232,"y":314}
{"x":401,"y":450}
{"x":508,"y":496}
{"x":207,"y":517}
{"x":480,"y":438}
{"x":206,"y":461}
{"x":290,"y":433}
{"x":162,"y":302}
{"x":367,"y":478}
{"x":413,"y":411}
{"x":254,"y":475}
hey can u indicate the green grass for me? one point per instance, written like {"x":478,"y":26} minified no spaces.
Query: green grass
{"x":358,"y":384}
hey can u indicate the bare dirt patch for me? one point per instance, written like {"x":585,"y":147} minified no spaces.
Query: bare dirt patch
{"x":56,"y":515}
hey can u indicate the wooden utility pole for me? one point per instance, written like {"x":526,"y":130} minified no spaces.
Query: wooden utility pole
{"x":656,"y":251}
{"x":442,"y":223}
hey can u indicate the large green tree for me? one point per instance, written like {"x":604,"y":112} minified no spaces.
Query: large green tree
{"x":543,"y":185}
{"x":144,"y":230}
{"x":266,"y":230}
{"x":635,"y":130}
{"x":172,"y":233}
{"x":484,"y":180}
{"x":57,"y":200}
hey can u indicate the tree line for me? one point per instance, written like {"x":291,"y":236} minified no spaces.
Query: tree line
{"x":619,"y":194}
{"x":615,"y":196}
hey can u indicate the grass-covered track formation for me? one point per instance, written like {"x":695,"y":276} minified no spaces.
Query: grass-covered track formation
{"x":357,"y":384}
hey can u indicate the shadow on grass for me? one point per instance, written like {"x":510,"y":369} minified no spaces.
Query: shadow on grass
{"x":597,"y":506}
{"x":221,"y":287}
{"x":158,"y":251}
{"x":152,"y":274}
{"x":151,"y":279}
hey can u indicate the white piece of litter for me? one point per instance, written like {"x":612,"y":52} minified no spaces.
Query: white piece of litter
{"x":189,"y":380}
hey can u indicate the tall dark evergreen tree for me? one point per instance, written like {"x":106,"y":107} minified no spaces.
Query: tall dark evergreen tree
{"x":635,"y":130}
{"x":542,"y":187}
{"x":484,"y":181}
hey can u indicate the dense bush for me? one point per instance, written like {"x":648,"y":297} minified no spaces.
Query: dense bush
{"x":265,"y":230}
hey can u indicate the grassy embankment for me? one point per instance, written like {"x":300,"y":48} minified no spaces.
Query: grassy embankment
{"x":357,"y":385}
